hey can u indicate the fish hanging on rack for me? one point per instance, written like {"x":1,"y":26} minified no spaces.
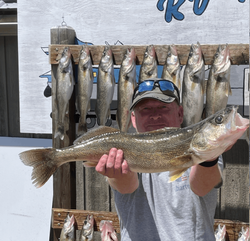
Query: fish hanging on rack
{"x":171,"y":69}
{"x":220,"y":233}
{"x":87,"y":229}
{"x":85,"y":87}
{"x":218,"y":83}
{"x":149,"y":64}
{"x":107,"y":231}
{"x":68,"y":232}
{"x":193,"y":86}
{"x":126,"y":86}
{"x":105,"y":86}
{"x":64,"y":88}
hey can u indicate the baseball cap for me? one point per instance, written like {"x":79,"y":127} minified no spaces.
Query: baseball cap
{"x":156,"y":88}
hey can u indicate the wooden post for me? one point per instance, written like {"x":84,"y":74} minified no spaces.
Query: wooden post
{"x":64,"y":186}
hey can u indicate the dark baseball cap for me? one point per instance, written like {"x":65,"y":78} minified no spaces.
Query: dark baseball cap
{"x":156,"y":88}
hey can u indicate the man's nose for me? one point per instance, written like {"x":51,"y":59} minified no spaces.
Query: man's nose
{"x":155,"y":115}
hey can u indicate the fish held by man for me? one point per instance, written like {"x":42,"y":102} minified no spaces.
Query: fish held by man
{"x":64,"y":89}
{"x":126,"y":86}
{"x":149,"y":64}
{"x":87,"y":229}
{"x":85,"y":87}
{"x":171,"y":69}
{"x":218,"y":84}
{"x":105,"y":86}
{"x":68,"y":231}
{"x":175,"y":150}
{"x":193,"y":86}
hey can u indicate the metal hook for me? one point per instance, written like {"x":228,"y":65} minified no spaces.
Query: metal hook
{"x":63,"y":22}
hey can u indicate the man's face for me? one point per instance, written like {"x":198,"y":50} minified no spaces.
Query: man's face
{"x":152,"y":114}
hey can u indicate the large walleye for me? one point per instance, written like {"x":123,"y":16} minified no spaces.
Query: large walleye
{"x":85,"y":87}
{"x":218,"y":84}
{"x":105,"y":86}
{"x":64,"y":89}
{"x":149,"y":64}
{"x":156,"y":151}
{"x":171,"y":69}
{"x":126,"y":86}
{"x":193,"y":86}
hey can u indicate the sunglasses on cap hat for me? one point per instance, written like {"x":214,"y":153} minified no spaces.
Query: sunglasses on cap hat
{"x":167,"y":87}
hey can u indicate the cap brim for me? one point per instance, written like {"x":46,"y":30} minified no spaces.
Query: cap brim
{"x":155,"y":94}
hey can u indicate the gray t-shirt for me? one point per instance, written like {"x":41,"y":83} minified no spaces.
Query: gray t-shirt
{"x":164,"y":211}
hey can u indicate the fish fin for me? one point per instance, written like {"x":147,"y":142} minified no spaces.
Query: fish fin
{"x":176,"y":174}
{"x":82,"y":128}
{"x":43,"y":163}
{"x":95,"y":132}
{"x":89,"y":106}
{"x":163,"y":130}
{"x":228,"y":90}
{"x":89,"y":164}
{"x":59,"y":132}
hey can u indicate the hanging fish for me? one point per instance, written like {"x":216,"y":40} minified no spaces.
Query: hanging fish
{"x":149,"y":64}
{"x":68,"y":232}
{"x":107,"y":231}
{"x":126,"y":86}
{"x":105,"y":86}
{"x":220,"y":233}
{"x":218,"y":84}
{"x":64,"y":89}
{"x":85,"y":87}
{"x":87,"y":229}
{"x":193,"y":87}
{"x":172,"y":67}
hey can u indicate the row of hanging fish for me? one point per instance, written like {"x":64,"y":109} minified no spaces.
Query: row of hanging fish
{"x":192,"y":84}
{"x":221,"y":234}
{"x":68,"y":232}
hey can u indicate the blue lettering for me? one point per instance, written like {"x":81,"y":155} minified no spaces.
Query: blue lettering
{"x":172,"y":9}
{"x":200,"y":8}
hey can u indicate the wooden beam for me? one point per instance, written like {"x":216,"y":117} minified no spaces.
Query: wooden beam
{"x":59,"y":215}
{"x":239,"y":53}
{"x":232,"y":227}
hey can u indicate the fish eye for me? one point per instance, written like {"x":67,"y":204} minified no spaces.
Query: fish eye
{"x":219,"y":119}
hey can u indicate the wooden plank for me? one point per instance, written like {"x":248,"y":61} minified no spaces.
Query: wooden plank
{"x":239,"y":53}
{"x":3,"y":91}
{"x":232,"y":227}
{"x":64,"y":183}
{"x":234,"y":199}
{"x":59,"y":215}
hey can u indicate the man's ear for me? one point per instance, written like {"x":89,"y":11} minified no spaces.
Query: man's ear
{"x":133,"y":119}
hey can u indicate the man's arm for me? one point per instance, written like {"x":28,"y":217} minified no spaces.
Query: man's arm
{"x":116,"y":169}
{"x":204,"y":179}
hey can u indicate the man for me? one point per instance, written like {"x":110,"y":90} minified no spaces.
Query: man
{"x":148,"y":206}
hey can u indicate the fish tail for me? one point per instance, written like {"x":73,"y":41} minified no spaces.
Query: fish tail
{"x":59,"y":132}
{"x":42,"y":161}
{"x":82,"y":128}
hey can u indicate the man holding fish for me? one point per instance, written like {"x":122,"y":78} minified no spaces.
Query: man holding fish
{"x":150,"y":206}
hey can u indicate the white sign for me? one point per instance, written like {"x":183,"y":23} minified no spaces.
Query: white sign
{"x":130,"y":22}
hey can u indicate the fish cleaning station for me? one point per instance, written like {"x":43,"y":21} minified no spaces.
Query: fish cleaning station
{"x":68,"y":74}
{"x":84,"y":192}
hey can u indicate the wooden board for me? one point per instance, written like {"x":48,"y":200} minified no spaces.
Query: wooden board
{"x":239,"y":53}
{"x":59,"y":215}
{"x":232,"y":227}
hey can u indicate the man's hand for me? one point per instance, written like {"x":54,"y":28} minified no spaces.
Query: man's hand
{"x":113,"y":165}
{"x":120,"y":177}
